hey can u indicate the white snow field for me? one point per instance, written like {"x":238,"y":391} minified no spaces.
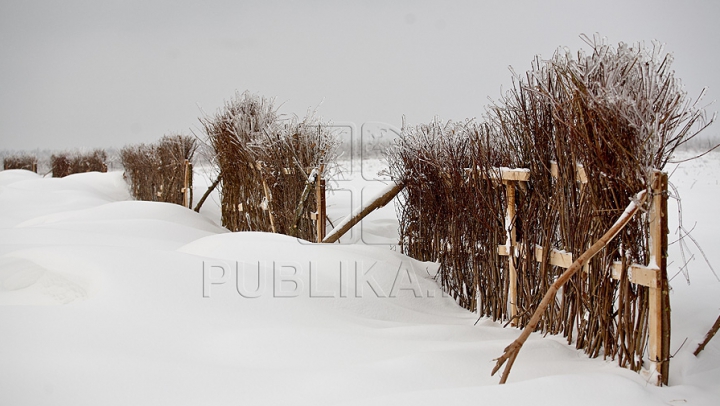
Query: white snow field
{"x":109,"y":301}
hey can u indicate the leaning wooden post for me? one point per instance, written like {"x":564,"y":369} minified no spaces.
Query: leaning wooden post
{"x":510,"y":243}
{"x":321,"y":208}
{"x":391,"y":190}
{"x":207,"y":192}
{"x":710,"y":334}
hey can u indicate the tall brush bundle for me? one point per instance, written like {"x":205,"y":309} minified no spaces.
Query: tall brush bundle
{"x":265,"y":164}
{"x":20,"y":161}
{"x":64,"y":164}
{"x":157,"y":172}
{"x":616,"y":114}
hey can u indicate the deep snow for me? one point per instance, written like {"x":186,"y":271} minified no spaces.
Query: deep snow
{"x":105,"y":300}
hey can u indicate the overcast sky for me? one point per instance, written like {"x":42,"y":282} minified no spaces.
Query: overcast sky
{"x":100,"y":73}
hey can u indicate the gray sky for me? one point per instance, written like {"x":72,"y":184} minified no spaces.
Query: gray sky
{"x":99,"y":73}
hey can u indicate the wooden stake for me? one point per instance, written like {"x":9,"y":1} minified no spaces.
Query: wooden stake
{"x":556,"y":258}
{"x":268,"y":196}
{"x":659,"y":323}
{"x":654,"y":277}
{"x":512,"y":246}
{"x":320,"y":203}
{"x":187,"y":185}
{"x":266,"y":190}
{"x":301,"y":207}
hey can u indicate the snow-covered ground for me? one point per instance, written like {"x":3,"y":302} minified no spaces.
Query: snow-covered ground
{"x":105,"y":300}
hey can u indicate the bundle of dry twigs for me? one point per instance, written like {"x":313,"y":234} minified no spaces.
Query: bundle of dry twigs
{"x":64,"y":164}
{"x":156,"y":172}
{"x":20,"y":161}
{"x":266,"y":165}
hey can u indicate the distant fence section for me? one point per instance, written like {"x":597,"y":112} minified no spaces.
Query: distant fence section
{"x":161,"y":172}
{"x":68,"y":163}
{"x":21,"y":161}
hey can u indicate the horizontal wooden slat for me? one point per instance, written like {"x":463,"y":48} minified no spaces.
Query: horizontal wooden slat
{"x":562,"y":259}
{"x":580,"y":174}
{"x":292,"y":171}
{"x":517,"y":174}
{"x":638,"y":274}
{"x":557,"y":258}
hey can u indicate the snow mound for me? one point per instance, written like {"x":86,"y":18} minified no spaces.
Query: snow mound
{"x":369,"y":282}
{"x":24,"y":282}
{"x":11,"y":176}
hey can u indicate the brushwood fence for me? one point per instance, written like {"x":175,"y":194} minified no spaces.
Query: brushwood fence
{"x":21,"y":161}
{"x":587,"y":131}
{"x":271,"y":170}
{"x":161,"y":172}
{"x":501,"y":245}
{"x":65,"y":164}
{"x":653,"y":276}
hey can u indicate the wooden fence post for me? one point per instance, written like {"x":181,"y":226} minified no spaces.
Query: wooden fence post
{"x":268,"y":195}
{"x":510,"y":178}
{"x":321,"y":207}
{"x":511,"y":245}
{"x":659,"y":324}
{"x":187,"y":185}
{"x":654,"y":277}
